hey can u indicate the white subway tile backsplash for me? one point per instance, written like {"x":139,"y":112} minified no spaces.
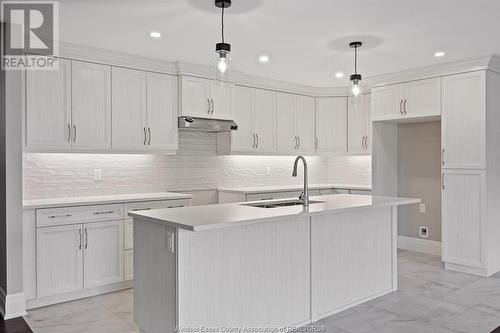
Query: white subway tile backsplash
{"x":196,"y":166}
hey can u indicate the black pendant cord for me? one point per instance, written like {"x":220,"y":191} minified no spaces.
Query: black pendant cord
{"x":223,"y":23}
{"x":355,"y":60}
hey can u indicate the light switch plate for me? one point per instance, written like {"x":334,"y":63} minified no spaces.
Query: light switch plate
{"x":422,"y":208}
{"x":98,"y":175}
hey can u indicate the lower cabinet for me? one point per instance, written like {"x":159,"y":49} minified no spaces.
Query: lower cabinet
{"x":128,"y":263}
{"x":73,"y":257}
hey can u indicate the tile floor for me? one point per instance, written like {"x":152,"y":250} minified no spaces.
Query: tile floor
{"x":429,"y":300}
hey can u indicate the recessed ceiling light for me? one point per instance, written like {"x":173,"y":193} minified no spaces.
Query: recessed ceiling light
{"x":439,"y":54}
{"x":264,"y":58}
{"x":339,"y":75}
{"x":155,"y":34}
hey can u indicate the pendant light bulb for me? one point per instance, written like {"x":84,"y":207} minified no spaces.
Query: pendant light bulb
{"x":222,"y":65}
{"x":356,"y":90}
{"x":355,"y":78}
{"x":223,"y":49}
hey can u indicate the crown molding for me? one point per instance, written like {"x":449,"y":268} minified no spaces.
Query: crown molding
{"x":491,"y":62}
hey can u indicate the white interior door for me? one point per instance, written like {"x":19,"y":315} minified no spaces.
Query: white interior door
{"x":464,"y":121}
{"x":48,"y":107}
{"x":59,"y":259}
{"x":129,"y":109}
{"x":423,"y":98}
{"x":221,"y":94}
{"x":464,"y":209}
{"x":243,"y":138}
{"x":162,"y":112}
{"x":265,"y":120}
{"x":91,"y":106}
{"x":305,"y":123}
{"x":103,"y":253}
{"x":195,"y":97}
{"x":357,"y":122}
{"x":388,"y":102}
{"x":286,"y":137}
{"x":331,"y":124}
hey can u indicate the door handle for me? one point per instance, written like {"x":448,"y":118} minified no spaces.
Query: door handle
{"x":86,"y":238}
{"x":366,"y":142}
{"x":442,"y":156}
{"x":295,"y":138}
{"x":74,"y":132}
{"x":442,"y":181}
{"x":80,"y":234}
{"x":404,"y":106}
{"x":298,"y":137}
{"x":257,"y":136}
{"x":102,"y":213}
{"x":213,"y":105}
{"x":401,"y":107}
{"x":253,"y":146}
{"x":208,"y":100}
{"x":149,"y":132}
{"x":363,"y":142}
{"x":69,"y":132}
{"x":145,"y":135}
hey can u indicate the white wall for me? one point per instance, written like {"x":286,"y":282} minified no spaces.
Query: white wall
{"x":196,"y":167}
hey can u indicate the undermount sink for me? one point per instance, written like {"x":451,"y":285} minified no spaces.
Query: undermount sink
{"x":279,"y":204}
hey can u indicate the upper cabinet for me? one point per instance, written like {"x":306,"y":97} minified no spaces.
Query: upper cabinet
{"x":254,"y":112}
{"x":331,"y":124}
{"x":48,"y":108}
{"x":407,"y":100}
{"x":464,"y":121}
{"x":295,"y":123}
{"x":144,"y":111}
{"x":359,"y":124}
{"x":206,"y":98}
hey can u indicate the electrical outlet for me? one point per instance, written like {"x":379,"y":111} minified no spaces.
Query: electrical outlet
{"x":424,"y":232}
{"x":422,"y":208}
{"x":268,"y":171}
{"x":98,"y":175}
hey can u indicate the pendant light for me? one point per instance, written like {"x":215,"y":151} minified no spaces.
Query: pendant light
{"x":223,"y":49}
{"x":355,"y":78}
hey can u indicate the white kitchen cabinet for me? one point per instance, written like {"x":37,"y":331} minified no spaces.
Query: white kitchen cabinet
{"x":48,"y":108}
{"x":415,"y":99}
{"x":59,"y":259}
{"x":103,"y":253}
{"x":464,"y":121}
{"x":206,"y":98}
{"x":128,"y":265}
{"x":359,"y":121}
{"x":464,"y":209}
{"x":162,"y":112}
{"x":243,"y":140}
{"x":295,"y":123}
{"x":264,"y":120}
{"x":331,"y":124}
{"x":129,"y":130}
{"x":91,"y":106}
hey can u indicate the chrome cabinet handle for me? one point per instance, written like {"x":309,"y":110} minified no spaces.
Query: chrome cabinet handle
{"x":86,"y":238}
{"x":58,"y":216}
{"x":401,"y":107}
{"x":253,"y":146}
{"x":298,"y":137}
{"x":145,"y":135}
{"x":139,"y":209}
{"x":69,"y":132}
{"x":363,"y":142}
{"x":366,"y":142}
{"x":80,"y":234}
{"x":404,"y":107}
{"x":74,"y":132}
{"x":102,"y":213}
{"x":178,"y":206}
{"x":295,"y":138}
{"x":213,"y":105}
{"x":442,"y":180}
{"x":442,"y":156}
{"x":208,"y":100}
{"x":257,"y":136}
{"x":149,"y":132}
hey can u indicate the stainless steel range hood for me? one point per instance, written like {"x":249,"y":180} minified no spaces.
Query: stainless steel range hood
{"x":206,"y":125}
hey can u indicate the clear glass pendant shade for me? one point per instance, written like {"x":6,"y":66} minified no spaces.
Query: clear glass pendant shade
{"x":223,"y":66}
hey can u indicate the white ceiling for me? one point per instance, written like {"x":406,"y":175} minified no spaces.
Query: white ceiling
{"x":306,"y":40}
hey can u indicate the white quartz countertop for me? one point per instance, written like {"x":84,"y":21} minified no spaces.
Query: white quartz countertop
{"x":199,"y":218}
{"x":102,"y":199}
{"x":264,"y":189}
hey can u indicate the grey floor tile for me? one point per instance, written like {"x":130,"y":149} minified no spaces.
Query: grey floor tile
{"x":410,"y":326}
{"x":473,"y":321}
{"x":363,"y":320}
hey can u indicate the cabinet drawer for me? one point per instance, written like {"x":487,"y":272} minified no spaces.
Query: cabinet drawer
{"x":128,"y":264}
{"x":148,"y":205}
{"x":70,"y":215}
{"x":266,"y":196}
{"x":128,"y":233}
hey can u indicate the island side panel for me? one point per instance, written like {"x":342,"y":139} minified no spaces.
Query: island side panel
{"x":351,"y":259}
{"x":255,"y":275}
{"x":155,"y":276}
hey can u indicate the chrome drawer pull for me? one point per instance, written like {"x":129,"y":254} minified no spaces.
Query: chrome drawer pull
{"x":138,"y":209}
{"x":107,"y":212}
{"x":59,"y":216}
{"x":178,"y":206}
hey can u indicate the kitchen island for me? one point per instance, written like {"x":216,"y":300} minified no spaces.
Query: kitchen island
{"x":262,"y":265}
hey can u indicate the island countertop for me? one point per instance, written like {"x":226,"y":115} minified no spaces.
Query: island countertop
{"x":207,"y":217}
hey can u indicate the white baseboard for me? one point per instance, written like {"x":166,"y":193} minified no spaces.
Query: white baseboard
{"x":419,"y":245}
{"x":12,"y":306}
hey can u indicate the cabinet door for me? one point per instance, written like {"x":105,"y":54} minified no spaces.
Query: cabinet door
{"x":286,"y":136}
{"x":59,"y":259}
{"x":265,"y":120}
{"x":463,"y":217}
{"x":423,"y":98}
{"x":305,"y":123}
{"x":162,"y":111}
{"x":222,"y":98}
{"x":243,"y":138}
{"x":103,"y":254}
{"x":388,"y":102}
{"x":48,"y":107}
{"x":91,"y":106}
{"x":195,"y":97}
{"x":331,"y":124}
{"x":357,"y":124}
{"x":464,"y":121}
{"x":129,"y":109}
